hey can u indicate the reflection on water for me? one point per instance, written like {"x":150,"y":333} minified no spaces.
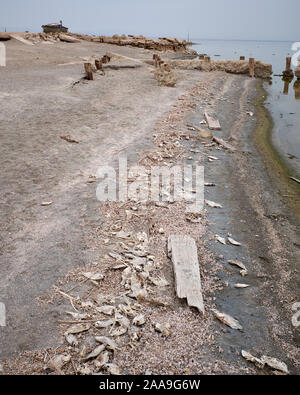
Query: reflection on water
{"x":286,"y":87}
{"x":297,"y":89}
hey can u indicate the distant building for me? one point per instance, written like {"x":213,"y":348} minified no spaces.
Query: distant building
{"x":54,"y":28}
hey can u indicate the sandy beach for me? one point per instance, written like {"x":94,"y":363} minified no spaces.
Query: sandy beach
{"x":47,"y":248}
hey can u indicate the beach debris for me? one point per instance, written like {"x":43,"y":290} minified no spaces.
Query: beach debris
{"x":104,"y":324}
{"x":265,"y":360}
{"x":95,"y":353}
{"x":93,"y":276}
{"x":213,"y":124}
{"x":212,"y":158}
{"x":212,"y":204}
{"x":165,"y":76}
{"x":227,"y":320}
{"x":164,"y":329}
{"x":45,"y":204}
{"x":139,"y":320}
{"x":78,"y":328}
{"x":112,"y":369}
{"x":241,"y":286}
{"x":244,"y":270}
{"x":209,"y":184}
{"x":60,"y":361}
{"x":101,"y":360}
{"x":79,"y":316}
{"x":71,"y":339}
{"x":250,"y":113}
{"x":275,"y":364}
{"x":68,"y":39}
{"x":109,"y":343}
{"x":233,"y":242}
{"x":249,"y":357}
{"x":221,"y":240}
{"x":69,"y":139}
{"x":183,"y":252}
{"x":224,"y":144}
{"x":159,"y":281}
{"x":107,"y":310}
{"x":295,"y":179}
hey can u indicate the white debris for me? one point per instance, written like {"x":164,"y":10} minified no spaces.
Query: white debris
{"x":212,"y":204}
{"x":233,"y":242}
{"x":139,"y":320}
{"x":227,"y":320}
{"x":164,"y":329}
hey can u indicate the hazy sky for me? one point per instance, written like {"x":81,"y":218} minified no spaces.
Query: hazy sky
{"x":223,"y":19}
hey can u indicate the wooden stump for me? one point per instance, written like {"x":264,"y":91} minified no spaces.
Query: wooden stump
{"x":98,"y":64}
{"x":252,"y":67}
{"x":288,"y":72}
{"x":242,"y":58}
{"x":89,"y":71}
{"x":207,"y":59}
{"x":201,"y":57}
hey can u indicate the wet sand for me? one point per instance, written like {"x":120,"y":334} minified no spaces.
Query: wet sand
{"x":122,"y":111}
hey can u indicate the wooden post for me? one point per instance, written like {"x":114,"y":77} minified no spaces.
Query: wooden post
{"x":242,"y":58}
{"x":98,"y":64}
{"x":288,"y":63}
{"x":89,"y":71}
{"x":201,"y":57}
{"x":207,"y":59}
{"x":252,"y":67}
{"x":288,"y":72}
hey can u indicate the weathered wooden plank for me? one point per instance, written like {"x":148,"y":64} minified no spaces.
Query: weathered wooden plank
{"x":183,"y":252}
{"x":213,"y":124}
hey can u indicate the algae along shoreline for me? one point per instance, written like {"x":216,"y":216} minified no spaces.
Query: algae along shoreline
{"x":278,"y":169}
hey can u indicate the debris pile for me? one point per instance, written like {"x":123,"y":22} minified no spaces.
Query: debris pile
{"x":261,"y":70}
{"x":161,"y":44}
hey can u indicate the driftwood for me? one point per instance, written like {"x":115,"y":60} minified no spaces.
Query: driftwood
{"x":68,"y":39}
{"x":224,"y":144}
{"x":213,"y":124}
{"x":183,"y":252}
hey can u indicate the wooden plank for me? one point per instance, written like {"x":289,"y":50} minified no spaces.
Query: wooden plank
{"x":183,"y":252}
{"x":213,"y":124}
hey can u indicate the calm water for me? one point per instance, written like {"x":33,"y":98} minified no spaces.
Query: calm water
{"x":282,"y":100}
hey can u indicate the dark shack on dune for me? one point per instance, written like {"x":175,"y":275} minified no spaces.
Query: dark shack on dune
{"x":55,"y":28}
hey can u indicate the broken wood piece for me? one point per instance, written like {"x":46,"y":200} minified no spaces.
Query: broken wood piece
{"x":183,"y":252}
{"x":213,"y":124}
{"x":69,"y":139}
{"x":224,"y":144}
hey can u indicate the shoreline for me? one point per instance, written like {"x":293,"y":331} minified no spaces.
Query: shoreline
{"x":276,"y":166}
{"x":56,"y":245}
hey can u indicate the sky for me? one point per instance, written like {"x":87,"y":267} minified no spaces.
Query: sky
{"x":276,"y":20}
